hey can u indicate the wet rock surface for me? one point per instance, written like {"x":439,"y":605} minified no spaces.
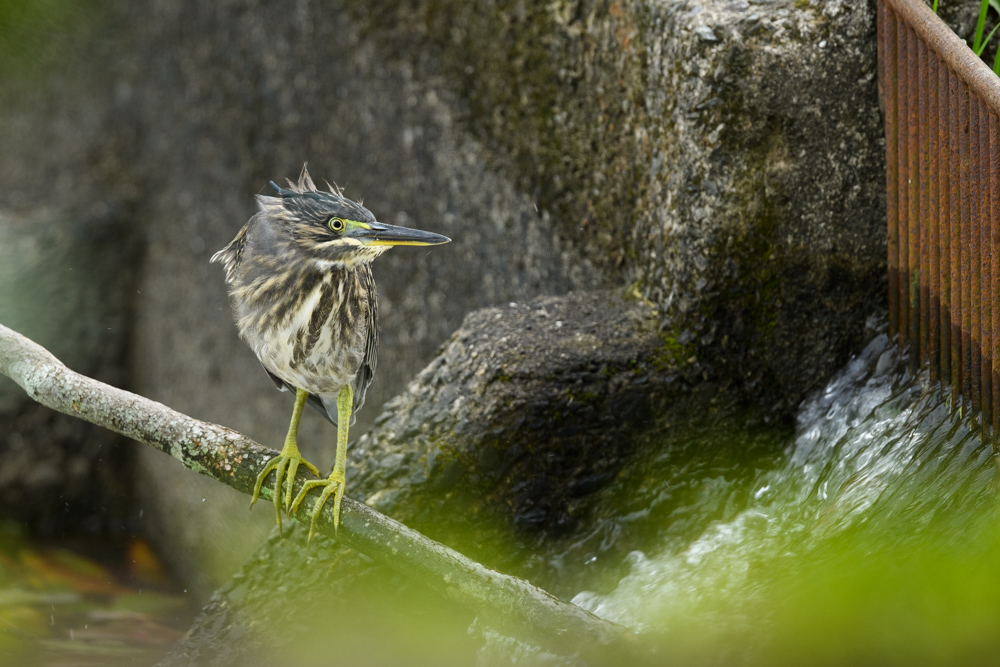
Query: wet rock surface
{"x":772,"y":189}
{"x":528,"y":409}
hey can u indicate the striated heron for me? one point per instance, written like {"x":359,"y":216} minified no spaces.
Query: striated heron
{"x":300,"y":282}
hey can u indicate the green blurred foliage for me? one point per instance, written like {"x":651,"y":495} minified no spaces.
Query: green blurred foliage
{"x":36,"y":33}
{"x":869,"y":602}
{"x":861,"y":602}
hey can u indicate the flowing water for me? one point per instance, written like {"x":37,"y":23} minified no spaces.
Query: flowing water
{"x":873,"y":540}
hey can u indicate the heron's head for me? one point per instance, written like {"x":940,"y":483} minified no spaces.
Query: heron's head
{"x":324,"y":226}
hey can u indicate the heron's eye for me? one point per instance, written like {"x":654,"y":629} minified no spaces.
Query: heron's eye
{"x":336,"y":224}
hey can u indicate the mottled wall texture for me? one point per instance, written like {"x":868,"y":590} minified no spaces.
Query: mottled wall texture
{"x":725,"y":156}
{"x":721,"y":158}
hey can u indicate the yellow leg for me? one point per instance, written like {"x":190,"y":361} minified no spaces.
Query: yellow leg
{"x":286,"y":464}
{"x":336,"y":483}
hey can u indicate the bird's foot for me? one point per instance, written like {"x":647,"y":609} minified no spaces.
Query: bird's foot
{"x":285,"y":466}
{"x":333,"y":485}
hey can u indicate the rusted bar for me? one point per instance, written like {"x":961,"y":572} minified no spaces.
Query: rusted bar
{"x":975,"y":254}
{"x":955,"y":225}
{"x":887,"y":42}
{"x":944,"y":235}
{"x":924,"y":202}
{"x":951,"y":49}
{"x":965,"y":240}
{"x":902,"y":102}
{"x":985,"y":266}
{"x":942,"y":111}
{"x":933,"y":235}
{"x":994,"y":292}
{"x":913,"y":192}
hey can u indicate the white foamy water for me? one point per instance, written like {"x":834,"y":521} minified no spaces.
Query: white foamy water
{"x":873,"y":454}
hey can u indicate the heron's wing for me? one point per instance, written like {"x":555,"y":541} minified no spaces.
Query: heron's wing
{"x":313,"y":400}
{"x":367,"y":370}
{"x":278,"y":382}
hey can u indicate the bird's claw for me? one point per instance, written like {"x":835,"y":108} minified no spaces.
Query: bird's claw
{"x":334,"y":485}
{"x":285,"y":467}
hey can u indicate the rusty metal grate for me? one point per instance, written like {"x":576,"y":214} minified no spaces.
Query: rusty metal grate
{"x":942,"y":138}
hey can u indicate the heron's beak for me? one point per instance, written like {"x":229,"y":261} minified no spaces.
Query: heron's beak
{"x":379,"y":233}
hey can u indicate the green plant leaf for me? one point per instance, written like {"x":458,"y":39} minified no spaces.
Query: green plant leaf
{"x":987,"y":40}
{"x":977,"y":43}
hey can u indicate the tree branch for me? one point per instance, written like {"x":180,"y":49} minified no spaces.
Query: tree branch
{"x":507,"y":603}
